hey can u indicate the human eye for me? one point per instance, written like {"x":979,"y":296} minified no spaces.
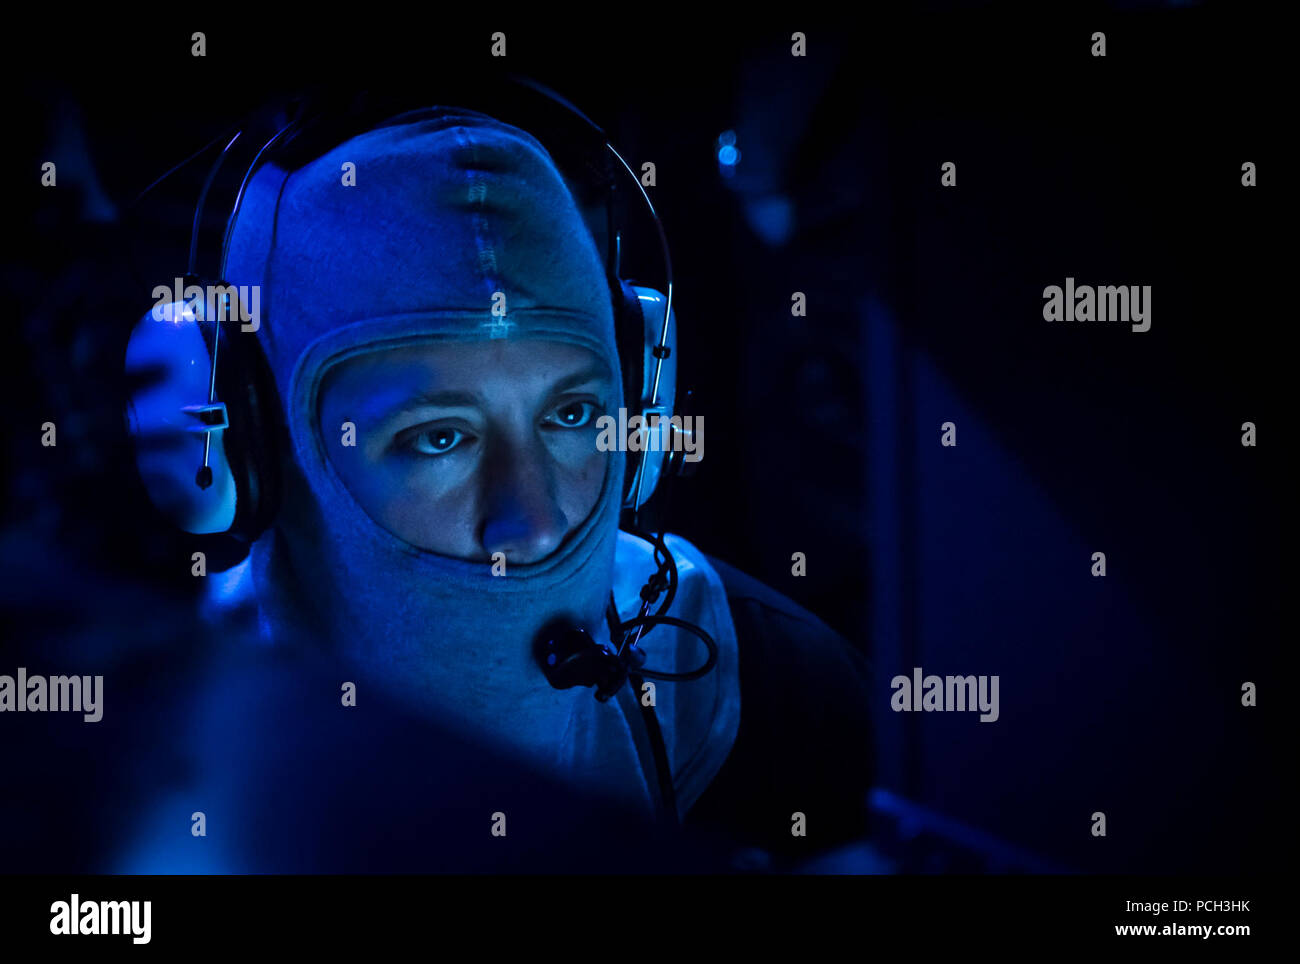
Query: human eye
{"x":573,"y":414}
{"x":431,"y":440}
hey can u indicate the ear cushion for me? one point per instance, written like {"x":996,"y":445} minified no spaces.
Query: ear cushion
{"x":247,"y":386}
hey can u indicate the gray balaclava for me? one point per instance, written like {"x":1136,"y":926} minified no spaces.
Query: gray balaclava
{"x":445,"y":212}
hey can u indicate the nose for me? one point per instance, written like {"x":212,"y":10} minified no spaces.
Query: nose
{"x":521,"y":515}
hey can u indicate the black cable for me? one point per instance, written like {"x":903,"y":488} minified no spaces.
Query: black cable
{"x":680,"y":624}
{"x":637,"y":678}
{"x":659,"y":750}
{"x":664,"y":580}
{"x":671,"y":564}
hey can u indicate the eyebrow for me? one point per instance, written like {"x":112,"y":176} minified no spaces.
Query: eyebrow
{"x":462,"y":399}
{"x":592,"y":373}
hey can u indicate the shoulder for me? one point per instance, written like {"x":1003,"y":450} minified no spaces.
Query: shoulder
{"x":797,"y":643}
{"x":804,"y":744}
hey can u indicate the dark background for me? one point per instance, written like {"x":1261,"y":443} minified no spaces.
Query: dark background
{"x":1119,"y":694}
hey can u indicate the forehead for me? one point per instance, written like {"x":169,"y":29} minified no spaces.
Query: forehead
{"x":492,"y":364}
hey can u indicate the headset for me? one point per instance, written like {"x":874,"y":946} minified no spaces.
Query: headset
{"x":221,"y":389}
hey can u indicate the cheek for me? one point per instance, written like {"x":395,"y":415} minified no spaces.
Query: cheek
{"x":438,"y":521}
{"x":583,"y":484}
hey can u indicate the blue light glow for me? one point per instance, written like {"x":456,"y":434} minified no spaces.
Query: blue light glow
{"x":728,"y":153}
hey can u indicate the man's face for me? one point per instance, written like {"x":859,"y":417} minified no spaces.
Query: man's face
{"x":470,"y":449}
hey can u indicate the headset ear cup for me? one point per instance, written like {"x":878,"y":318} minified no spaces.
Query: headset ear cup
{"x":168,"y":363}
{"x":246,"y":383}
{"x":644,"y":312}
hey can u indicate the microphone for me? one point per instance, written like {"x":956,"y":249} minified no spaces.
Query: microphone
{"x":569,"y":656}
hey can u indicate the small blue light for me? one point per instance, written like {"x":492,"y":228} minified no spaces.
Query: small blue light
{"x":728,"y":153}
